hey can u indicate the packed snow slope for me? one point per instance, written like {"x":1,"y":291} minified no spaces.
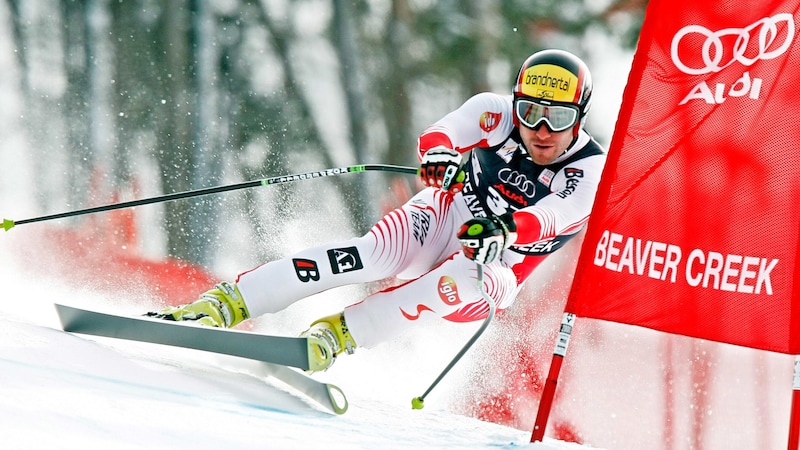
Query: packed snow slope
{"x":621,"y":388}
{"x":61,"y":390}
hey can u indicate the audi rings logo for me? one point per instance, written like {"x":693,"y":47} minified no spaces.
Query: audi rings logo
{"x":514,"y":178}
{"x":763,"y":39}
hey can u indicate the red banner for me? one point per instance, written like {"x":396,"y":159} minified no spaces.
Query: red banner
{"x":696,"y":224}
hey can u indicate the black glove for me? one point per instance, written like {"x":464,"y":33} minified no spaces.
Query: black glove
{"x":483,"y":238}
{"x":441,"y":168}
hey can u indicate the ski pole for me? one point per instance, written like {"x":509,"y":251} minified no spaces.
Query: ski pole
{"x":419,"y":402}
{"x":9,"y":224}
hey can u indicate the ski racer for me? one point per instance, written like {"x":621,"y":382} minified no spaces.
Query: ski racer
{"x":509,"y":180}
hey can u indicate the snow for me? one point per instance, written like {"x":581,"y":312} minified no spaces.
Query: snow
{"x":61,"y":390}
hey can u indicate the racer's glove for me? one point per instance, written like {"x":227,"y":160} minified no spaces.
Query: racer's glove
{"x":483,"y":238}
{"x":441,"y":168}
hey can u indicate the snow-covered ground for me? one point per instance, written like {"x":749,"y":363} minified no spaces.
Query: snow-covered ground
{"x":621,"y":387}
{"x":60,"y":390}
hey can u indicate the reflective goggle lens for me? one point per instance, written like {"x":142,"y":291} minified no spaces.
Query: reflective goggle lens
{"x":557,"y":117}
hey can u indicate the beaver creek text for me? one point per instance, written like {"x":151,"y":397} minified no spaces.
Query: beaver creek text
{"x":698,"y":268}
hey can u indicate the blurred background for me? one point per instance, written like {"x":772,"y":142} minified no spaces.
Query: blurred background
{"x":117,"y":100}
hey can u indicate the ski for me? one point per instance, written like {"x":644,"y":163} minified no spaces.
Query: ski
{"x":330,"y":396}
{"x":279,"y":354}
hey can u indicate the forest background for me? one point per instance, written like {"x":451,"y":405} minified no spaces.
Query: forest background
{"x":121,"y":100}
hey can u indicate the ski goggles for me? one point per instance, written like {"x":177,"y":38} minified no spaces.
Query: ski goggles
{"x":556,"y":117}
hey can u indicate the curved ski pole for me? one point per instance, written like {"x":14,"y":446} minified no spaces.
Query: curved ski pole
{"x":9,"y":224}
{"x":419,"y":402}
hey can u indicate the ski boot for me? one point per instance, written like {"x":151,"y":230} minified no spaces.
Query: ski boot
{"x":328,"y":338}
{"x":221,"y":307}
